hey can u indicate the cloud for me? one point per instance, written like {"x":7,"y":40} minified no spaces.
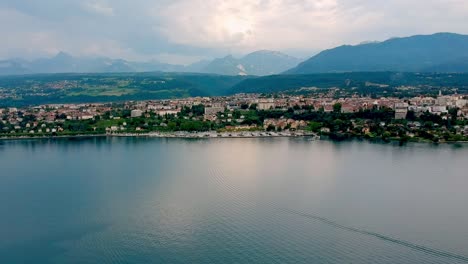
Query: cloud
{"x":177,"y":58}
{"x":99,"y":8}
{"x":181,"y":30}
{"x":27,"y":38}
{"x":244,"y":24}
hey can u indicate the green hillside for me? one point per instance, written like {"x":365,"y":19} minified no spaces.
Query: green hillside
{"x":81,"y":88}
{"x":444,"y":52}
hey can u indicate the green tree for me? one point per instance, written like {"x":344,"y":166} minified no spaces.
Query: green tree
{"x":198,"y":110}
{"x":315,"y":126}
{"x":337,"y":108}
{"x":453,"y":112}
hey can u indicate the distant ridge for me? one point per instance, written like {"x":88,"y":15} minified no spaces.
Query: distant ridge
{"x":441,"y":52}
{"x":256,"y":63}
{"x":66,"y":63}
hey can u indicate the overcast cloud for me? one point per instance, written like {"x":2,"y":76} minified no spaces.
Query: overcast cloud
{"x":182,"y":31}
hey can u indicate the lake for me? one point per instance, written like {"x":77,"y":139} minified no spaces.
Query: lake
{"x":281,"y":200}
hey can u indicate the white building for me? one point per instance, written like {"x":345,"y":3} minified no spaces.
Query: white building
{"x":401,"y":110}
{"x":136,"y":113}
{"x":265,"y":104}
{"x":167,"y":112}
{"x":438,"y":110}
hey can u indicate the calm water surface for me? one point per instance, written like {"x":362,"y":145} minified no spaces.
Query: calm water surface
{"x":127,"y":200}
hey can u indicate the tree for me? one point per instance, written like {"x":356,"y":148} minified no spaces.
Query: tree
{"x":172,"y":126}
{"x":308,"y":107}
{"x":453,"y":112}
{"x":315,"y":126}
{"x":337,"y":108}
{"x":198,"y":110}
{"x":411,"y":115}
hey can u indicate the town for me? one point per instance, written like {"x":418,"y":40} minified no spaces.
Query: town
{"x":443,"y":118}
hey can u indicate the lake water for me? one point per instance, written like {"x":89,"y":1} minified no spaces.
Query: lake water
{"x":137,"y":200}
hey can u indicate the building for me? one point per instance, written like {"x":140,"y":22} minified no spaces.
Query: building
{"x":401,"y":110}
{"x":459,"y":103}
{"x":265,"y":104}
{"x":136,"y":113}
{"x":209,"y":111}
{"x":438,"y":110}
{"x":168,"y":112}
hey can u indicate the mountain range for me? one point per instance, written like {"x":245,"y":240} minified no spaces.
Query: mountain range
{"x":65,"y":63}
{"x":256,"y":63}
{"x":441,"y":52}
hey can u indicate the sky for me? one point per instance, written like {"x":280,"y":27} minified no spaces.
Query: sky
{"x":184,"y":31}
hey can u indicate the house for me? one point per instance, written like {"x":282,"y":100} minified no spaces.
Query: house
{"x":86,"y":117}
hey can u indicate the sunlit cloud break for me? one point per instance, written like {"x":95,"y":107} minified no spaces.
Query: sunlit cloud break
{"x":144,"y":29}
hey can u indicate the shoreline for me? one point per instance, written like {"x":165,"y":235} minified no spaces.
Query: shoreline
{"x":187,"y":135}
{"x":214,"y":135}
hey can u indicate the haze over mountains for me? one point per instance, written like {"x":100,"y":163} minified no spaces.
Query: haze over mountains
{"x":65,"y":63}
{"x":441,"y":52}
{"x":256,"y":63}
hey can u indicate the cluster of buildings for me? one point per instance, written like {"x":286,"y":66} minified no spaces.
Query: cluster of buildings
{"x":47,"y":118}
{"x":440,"y":105}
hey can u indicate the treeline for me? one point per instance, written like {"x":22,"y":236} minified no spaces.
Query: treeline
{"x":281,"y":83}
{"x":83,"y":88}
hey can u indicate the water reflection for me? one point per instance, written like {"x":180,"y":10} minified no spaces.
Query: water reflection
{"x":142,"y":200}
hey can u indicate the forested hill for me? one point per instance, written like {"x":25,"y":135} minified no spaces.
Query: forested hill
{"x":350,"y":80}
{"x":442,"y":52}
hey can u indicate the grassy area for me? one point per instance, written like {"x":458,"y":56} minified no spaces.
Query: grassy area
{"x":103,"y":91}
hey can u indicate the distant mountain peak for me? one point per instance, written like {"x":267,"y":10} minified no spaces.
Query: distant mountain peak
{"x":261,"y":62}
{"x":63,"y":55}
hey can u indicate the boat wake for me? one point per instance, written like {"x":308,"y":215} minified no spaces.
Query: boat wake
{"x":427,"y":250}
